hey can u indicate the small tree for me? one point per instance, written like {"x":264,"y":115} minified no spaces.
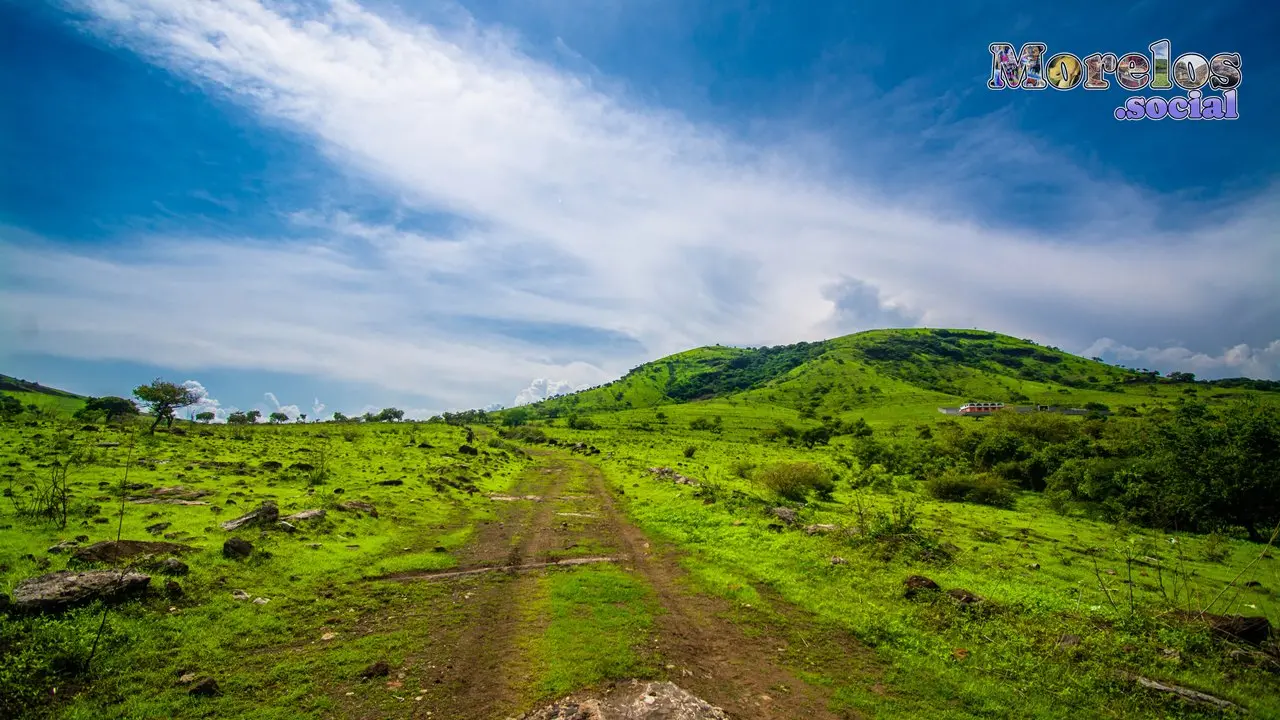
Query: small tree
{"x":277,"y":417}
{"x":390,"y":415}
{"x":515,"y":417}
{"x":163,"y":398}
{"x":252,"y":416}
{"x":237,"y":418}
{"x":111,"y":407}
{"x":302,"y":417}
{"x":205,"y":417}
{"x":339,"y":417}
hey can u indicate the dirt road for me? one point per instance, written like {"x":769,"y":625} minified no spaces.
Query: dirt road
{"x":562,"y":512}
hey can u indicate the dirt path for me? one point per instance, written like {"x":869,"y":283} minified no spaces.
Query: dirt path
{"x":475,"y":668}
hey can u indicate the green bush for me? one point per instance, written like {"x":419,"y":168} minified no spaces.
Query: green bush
{"x":795,"y":480}
{"x":525,"y":433}
{"x":983,"y":489}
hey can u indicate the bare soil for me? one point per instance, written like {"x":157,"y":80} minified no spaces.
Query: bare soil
{"x":472,"y":667}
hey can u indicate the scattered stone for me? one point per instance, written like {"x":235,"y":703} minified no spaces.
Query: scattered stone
{"x":666,"y":473}
{"x":287,"y":527}
{"x":82,"y":538}
{"x":376,"y":670}
{"x":236,"y":548}
{"x":1068,"y":641}
{"x":468,"y":450}
{"x":316,"y":514}
{"x":240,"y":595}
{"x":177,"y":492}
{"x":358,"y":506}
{"x":1033,"y":566}
{"x":158,"y":528}
{"x":819,"y":529}
{"x":187,"y":678}
{"x":328,"y":636}
{"x":173,"y":589}
{"x":65,"y":589}
{"x":391,"y":483}
{"x":785,"y":514}
{"x":205,"y":687}
{"x":837,"y":560}
{"x":964,"y":598}
{"x":271,"y":465}
{"x":265,"y":514}
{"x":172,"y":566}
{"x":261,"y":601}
{"x":917,"y":584}
{"x":116,"y":551}
{"x":63,"y":546}
{"x":1253,"y":584}
{"x":108,"y":444}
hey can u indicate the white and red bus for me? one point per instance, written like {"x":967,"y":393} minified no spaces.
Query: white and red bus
{"x":982,"y":408}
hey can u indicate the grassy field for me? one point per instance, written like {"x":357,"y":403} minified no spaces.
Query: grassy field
{"x":500,"y":571}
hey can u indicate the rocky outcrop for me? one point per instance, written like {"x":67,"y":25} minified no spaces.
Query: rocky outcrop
{"x":633,"y":701}
{"x":66,"y":589}
{"x":266,"y":514}
{"x":112,"y":552}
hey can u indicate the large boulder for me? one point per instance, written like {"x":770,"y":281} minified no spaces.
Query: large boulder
{"x":112,"y":552}
{"x":634,"y":701}
{"x":65,"y":589}
{"x":918,"y":584}
{"x":237,"y":549}
{"x":266,"y":514}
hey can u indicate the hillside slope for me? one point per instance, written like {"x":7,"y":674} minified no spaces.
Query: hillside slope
{"x":913,"y":366}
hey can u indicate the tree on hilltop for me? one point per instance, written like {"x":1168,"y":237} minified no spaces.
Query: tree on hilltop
{"x":163,"y":398}
{"x":277,"y":417}
{"x":253,"y":416}
{"x":110,"y":407}
{"x":205,"y":417}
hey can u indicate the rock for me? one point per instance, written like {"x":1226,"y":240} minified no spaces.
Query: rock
{"x":391,"y":483}
{"x":786,"y":515}
{"x":1033,"y":566}
{"x":64,"y":589}
{"x":82,"y":538}
{"x":265,"y":514}
{"x":172,"y":566}
{"x":287,"y":527}
{"x":837,"y":560}
{"x":270,"y":465}
{"x":633,"y":701}
{"x":173,"y":589}
{"x":1254,"y":630}
{"x":158,"y":528}
{"x":239,"y":595}
{"x":819,"y":529}
{"x":468,"y":450}
{"x":1253,"y":584}
{"x":917,"y":584}
{"x":358,"y":506}
{"x":116,"y":551}
{"x":378,"y":669}
{"x":316,"y":514}
{"x":1068,"y":641}
{"x":261,"y":601}
{"x":964,"y":598}
{"x":236,"y":549}
{"x":1194,"y":697}
{"x":5,"y":602}
{"x":205,"y":687}
{"x":186,"y":678}
{"x":63,"y":546}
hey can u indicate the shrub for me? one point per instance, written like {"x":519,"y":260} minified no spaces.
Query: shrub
{"x":742,"y":468}
{"x":525,"y":433}
{"x":689,"y":451}
{"x":795,"y":480}
{"x":983,"y":489}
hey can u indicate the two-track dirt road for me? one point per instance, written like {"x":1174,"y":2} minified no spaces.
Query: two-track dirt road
{"x":562,"y":513}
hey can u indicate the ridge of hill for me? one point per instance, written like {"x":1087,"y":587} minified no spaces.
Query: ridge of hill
{"x":921,"y":367}
{"x":10,"y":384}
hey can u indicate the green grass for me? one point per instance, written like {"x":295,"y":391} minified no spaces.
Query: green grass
{"x":598,"y":619}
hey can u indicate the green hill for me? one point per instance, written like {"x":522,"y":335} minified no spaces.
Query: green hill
{"x":42,"y":396}
{"x":907,"y":374}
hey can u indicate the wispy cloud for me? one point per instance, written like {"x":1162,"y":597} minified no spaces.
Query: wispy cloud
{"x":581,"y":207}
{"x":1240,"y":360}
{"x":541,"y":389}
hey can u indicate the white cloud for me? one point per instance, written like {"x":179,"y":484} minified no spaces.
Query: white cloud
{"x":1238,"y":361}
{"x":542,"y":388}
{"x":206,"y":403}
{"x":317,"y":410}
{"x":292,"y":411}
{"x":582,"y":208}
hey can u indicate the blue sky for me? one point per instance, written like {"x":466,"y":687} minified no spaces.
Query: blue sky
{"x":440,"y":206}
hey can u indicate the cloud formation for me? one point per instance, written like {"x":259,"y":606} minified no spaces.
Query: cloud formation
{"x":578,"y":206}
{"x":206,"y":403}
{"x":541,"y":389}
{"x":1240,"y":360}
